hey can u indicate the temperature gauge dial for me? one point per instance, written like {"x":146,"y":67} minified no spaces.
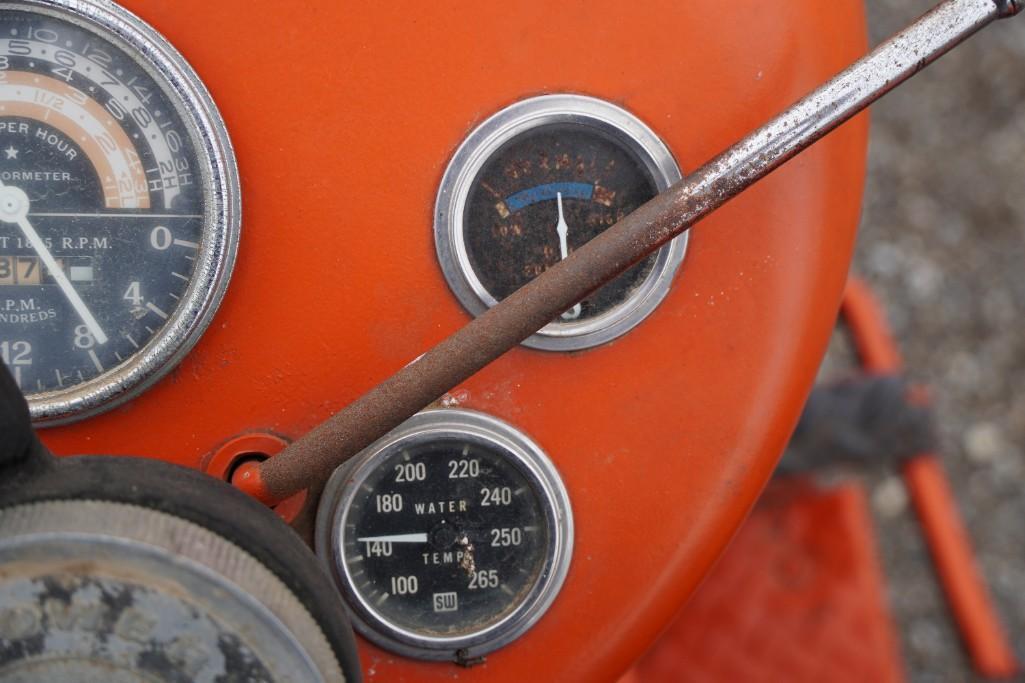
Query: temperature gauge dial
{"x":449,"y":538}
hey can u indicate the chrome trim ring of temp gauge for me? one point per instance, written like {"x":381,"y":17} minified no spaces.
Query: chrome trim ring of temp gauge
{"x":449,"y":537}
{"x":119,"y":210}
{"x":534,"y":182}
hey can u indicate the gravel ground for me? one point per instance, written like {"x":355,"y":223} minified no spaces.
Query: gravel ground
{"x":943,"y":243}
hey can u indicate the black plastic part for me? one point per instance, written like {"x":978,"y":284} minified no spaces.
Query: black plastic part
{"x":863,"y":420}
{"x":17,"y":440}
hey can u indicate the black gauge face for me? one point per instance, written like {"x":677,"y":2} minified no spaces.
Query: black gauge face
{"x":544,"y":194}
{"x":101,"y":206}
{"x":535,"y":182}
{"x":449,"y":537}
{"x":445,"y":538}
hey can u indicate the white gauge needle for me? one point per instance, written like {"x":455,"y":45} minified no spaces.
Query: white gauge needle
{"x":14,"y":209}
{"x":394,"y":538}
{"x":563,"y":229}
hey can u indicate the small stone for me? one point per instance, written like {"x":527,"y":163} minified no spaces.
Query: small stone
{"x":963,"y":371}
{"x":885,"y":258}
{"x":926,"y":637}
{"x":984,"y":442}
{"x":890,"y":498}
{"x":924,"y":279}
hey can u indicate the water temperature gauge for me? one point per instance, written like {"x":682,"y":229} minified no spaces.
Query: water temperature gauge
{"x":449,"y":538}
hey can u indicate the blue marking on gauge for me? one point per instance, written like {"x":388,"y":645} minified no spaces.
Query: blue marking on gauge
{"x":543,"y":193}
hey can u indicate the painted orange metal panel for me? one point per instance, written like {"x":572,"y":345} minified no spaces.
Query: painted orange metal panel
{"x":344,"y":116}
{"x":798,"y":596}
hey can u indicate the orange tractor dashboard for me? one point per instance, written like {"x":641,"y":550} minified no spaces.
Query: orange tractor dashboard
{"x":345,"y":120}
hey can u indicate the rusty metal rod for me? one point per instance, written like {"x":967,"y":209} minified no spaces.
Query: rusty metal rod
{"x":311,"y":459}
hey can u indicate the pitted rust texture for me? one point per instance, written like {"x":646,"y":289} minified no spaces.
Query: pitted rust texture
{"x":109,"y":629}
{"x":140,"y":591}
{"x":467,"y":563}
{"x":311,"y":459}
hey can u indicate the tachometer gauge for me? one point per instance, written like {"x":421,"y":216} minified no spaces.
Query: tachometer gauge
{"x":449,"y":538}
{"x":535,"y":182}
{"x":119,"y":205}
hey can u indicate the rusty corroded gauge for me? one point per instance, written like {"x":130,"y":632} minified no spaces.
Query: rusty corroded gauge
{"x":103,"y":592}
{"x":119,"y":205}
{"x":449,"y":538}
{"x":536,"y":181}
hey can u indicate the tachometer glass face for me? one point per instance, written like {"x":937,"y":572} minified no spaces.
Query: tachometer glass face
{"x":103,"y":212}
{"x":445,"y":539}
{"x":513,"y":214}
